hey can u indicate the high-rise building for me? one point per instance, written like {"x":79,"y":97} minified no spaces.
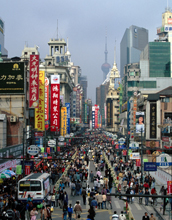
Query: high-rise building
{"x":106,"y":66}
{"x":3,"y":51}
{"x":132,"y":44}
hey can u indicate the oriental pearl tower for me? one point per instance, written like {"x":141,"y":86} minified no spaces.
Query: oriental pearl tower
{"x":106,"y":66}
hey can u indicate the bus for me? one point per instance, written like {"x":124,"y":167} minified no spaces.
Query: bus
{"x":37,"y":185}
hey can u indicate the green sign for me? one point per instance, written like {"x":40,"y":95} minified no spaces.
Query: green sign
{"x":12,"y":78}
{"x":42,"y":149}
{"x":19,"y":169}
{"x":145,"y":160}
{"x":129,"y":152}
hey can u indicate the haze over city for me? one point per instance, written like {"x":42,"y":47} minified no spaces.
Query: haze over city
{"x":84,"y":23}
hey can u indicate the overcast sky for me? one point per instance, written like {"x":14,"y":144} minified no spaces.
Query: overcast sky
{"x":84,"y":23}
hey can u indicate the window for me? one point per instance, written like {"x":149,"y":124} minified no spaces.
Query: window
{"x":32,"y":185}
{"x":132,"y":73}
{"x":33,"y":53}
{"x":25,"y":53}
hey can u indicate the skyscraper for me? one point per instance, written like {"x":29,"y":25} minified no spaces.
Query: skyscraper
{"x":105,"y":66}
{"x":132,"y":44}
{"x":2,"y":49}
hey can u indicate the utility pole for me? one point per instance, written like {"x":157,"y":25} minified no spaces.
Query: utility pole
{"x":141,"y":157}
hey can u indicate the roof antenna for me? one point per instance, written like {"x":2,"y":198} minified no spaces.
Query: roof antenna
{"x":57,"y":29}
{"x":67,"y":43}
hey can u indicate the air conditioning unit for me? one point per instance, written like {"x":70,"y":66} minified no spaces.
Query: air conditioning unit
{"x":13,"y":118}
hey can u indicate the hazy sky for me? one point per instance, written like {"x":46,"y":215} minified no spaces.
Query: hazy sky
{"x":84,"y":23}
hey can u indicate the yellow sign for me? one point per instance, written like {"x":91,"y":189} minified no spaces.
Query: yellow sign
{"x":63,"y":121}
{"x":39,"y":112}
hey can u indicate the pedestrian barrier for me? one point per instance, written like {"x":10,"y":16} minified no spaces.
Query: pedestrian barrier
{"x":64,"y":174}
{"x":129,"y":214}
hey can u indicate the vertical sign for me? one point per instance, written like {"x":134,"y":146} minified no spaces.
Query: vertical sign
{"x":85,"y":113}
{"x":63,"y":121}
{"x":27,"y":169}
{"x":134,"y":111}
{"x":109,"y":112}
{"x":39,"y":112}
{"x":169,"y":187}
{"x":93,"y":116}
{"x":68,"y":117}
{"x":153,"y":120}
{"x":96,"y":116}
{"x":55,"y":103}
{"x":34,"y":82}
{"x":46,"y":103}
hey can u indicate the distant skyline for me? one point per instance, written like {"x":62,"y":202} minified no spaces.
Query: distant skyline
{"x":84,"y":23}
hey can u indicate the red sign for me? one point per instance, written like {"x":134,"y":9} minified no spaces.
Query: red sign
{"x":27,"y":170}
{"x":165,"y":139}
{"x":48,"y":150}
{"x":46,"y":103}
{"x":138,"y":163}
{"x":34,"y":82}
{"x":39,"y":134}
{"x":58,"y":149}
{"x":55,"y":103}
{"x":96,"y":116}
{"x":169,"y":20}
{"x":169,"y":187}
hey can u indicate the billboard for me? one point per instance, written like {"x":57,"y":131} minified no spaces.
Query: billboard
{"x":140,"y":122}
{"x":63,"y":121}
{"x":12,"y":78}
{"x":68,"y":117}
{"x":46,"y":102}
{"x":55,"y":103}
{"x":109,"y":112}
{"x":39,"y":112}
{"x":34,"y":82}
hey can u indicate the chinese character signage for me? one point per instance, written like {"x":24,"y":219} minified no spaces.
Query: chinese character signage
{"x":109,"y":112}
{"x":55,"y":103}
{"x":46,"y":103}
{"x":169,"y":187}
{"x":93,"y":116}
{"x":34,"y":82}
{"x":39,"y":112}
{"x":96,"y":116}
{"x":85,"y":113}
{"x":68,"y":117}
{"x":12,"y":78}
{"x":153,"y":120}
{"x":63,"y":121}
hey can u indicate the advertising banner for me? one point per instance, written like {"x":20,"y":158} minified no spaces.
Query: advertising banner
{"x":68,"y":117}
{"x":34,"y":82}
{"x":39,"y":112}
{"x":63,"y":121}
{"x":109,"y":112}
{"x":140,"y":122}
{"x":27,"y":170}
{"x":93,"y":117}
{"x":46,"y":103}
{"x":85,"y":113}
{"x":169,"y":187}
{"x":150,"y":166}
{"x":19,"y":169}
{"x":138,"y":163}
{"x":134,"y":156}
{"x":55,"y":103}
{"x":12,"y":78}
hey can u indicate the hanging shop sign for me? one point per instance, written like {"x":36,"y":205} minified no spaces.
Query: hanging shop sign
{"x":164,"y":161}
{"x":46,"y":102}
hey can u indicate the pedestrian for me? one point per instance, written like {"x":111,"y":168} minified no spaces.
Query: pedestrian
{"x":48,"y":213}
{"x":104,"y":200}
{"x":99,"y":199}
{"x":115,"y":216}
{"x":140,"y":198}
{"x":145,"y":217}
{"x":17,"y":214}
{"x":88,"y":217}
{"x":65,"y":211}
{"x":70,"y":211}
{"x":65,"y":199}
{"x":108,"y":199}
{"x":33,"y":214}
{"x":57,"y":198}
{"x":77,"y":210}
{"x":152,"y":217}
{"x":43,"y":213}
{"x":146,"y":198}
{"x":92,"y":213}
{"x":122,"y":216}
{"x":94,"y":203}
{"x":91,"y":176}
{"x":84,"y":193}
{"x":10,"y":213}
{"x":53,"y":200}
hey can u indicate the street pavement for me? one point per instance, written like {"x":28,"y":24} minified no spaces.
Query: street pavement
{"x":118,"y":205}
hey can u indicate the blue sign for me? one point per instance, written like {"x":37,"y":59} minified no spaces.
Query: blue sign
{"x":150,"y":166}
{"x":68,"y":117}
